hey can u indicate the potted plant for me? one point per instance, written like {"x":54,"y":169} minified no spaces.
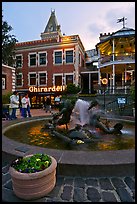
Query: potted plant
{"x":33,"y":176}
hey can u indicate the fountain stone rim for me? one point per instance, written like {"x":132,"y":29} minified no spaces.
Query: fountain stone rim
{"x":99,"y":159}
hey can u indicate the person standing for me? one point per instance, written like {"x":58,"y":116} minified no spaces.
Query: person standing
{"x":14,"y":104}
{"x":48,"y":104}
{"x":26,"y":106}
{"x":57,"y":102}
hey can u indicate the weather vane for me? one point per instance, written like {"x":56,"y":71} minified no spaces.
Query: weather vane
{"x":122,"y":19}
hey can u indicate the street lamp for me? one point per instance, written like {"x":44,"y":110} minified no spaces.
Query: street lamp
{"x":104,"y":84}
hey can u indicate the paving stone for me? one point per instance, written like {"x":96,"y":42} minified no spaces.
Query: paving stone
{"x":105,"y":184}
{"x":67,"y":193}
{"x":118,"y":182}
{"x":108,"y":197}
{"x":79,"y":182}
{"x":8,"y":185}
{"x":79,"y":195}
{"x":5,"y":169}
{"x":93,"y":194}
{"x":129,"y":181}
{"x":68,"y":181}
{"x":5,"y":178}
{"x":53,"y":200}
{"x":91,"y":182}
{"x":54,"y":192}
{"x":9,"y":196}
{"x":124,"y":195}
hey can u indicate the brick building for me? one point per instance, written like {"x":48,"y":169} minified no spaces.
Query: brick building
{"x":47,"y":65}
{"x":8,"y":79}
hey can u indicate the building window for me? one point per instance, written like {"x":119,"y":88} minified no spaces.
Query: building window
{"x":42,"y":58}
{"x":19,"y":79}
{"x":58,"y":80}
{"x":79,"y":59}
{"x":69,"y":56}
{"x":32,"y":59}
{"x":42,"y":78}
{"x":18,"y":61}
{"x":69,"y":79}
{"x":3,"y":82}
{"x":82,"y":63}
{"x":32,"y":79}
{"x":58,"y":57}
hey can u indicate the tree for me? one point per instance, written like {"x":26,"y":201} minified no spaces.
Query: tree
{"x":8,"y":44}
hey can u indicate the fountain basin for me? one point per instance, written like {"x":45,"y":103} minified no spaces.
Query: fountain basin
{"x":75,"y":163}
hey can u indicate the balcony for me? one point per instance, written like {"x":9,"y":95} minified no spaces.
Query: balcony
{"x":118,"y":59}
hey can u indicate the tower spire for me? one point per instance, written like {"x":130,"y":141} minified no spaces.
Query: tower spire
{"x":52,"y":26}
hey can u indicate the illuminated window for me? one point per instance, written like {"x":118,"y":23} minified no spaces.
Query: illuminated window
{"x":69,"y":56}
{"x":19,"y":79}
{"x":58,"y":57}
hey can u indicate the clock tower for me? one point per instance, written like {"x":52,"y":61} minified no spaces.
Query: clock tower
{"x":52,"y":29}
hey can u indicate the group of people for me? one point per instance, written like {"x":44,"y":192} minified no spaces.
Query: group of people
{"x":15,"y":103}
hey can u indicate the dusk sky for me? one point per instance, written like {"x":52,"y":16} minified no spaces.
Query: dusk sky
{"x":86,"y":19}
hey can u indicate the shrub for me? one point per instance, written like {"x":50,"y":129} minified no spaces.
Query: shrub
{"x":72,"y":89}
{"x":6,"y":98}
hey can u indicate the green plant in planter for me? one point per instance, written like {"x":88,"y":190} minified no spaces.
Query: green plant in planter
{"x":35,"y":163}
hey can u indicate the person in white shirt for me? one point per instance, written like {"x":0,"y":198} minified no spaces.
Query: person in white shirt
{"x":14,"y":104}
{"x":26,"y":106}
{"x":57,"y":102}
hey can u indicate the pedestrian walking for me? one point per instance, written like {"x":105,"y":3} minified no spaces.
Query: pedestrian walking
{"x":26,"y":106}
{"x":14,"y":104}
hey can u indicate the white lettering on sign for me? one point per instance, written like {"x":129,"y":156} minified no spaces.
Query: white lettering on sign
{"x":46,"y":89}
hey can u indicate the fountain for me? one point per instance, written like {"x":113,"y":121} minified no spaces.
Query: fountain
{"x":80,"y":147}
{"x":81,"y":122}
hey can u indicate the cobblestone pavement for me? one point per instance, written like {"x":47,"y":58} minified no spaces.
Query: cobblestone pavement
{"x":79,"y":189}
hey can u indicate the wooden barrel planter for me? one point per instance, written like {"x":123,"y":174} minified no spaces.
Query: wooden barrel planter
{"x":30,"y":186}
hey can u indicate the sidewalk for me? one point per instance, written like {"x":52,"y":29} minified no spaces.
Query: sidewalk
{"x":74,"y":188}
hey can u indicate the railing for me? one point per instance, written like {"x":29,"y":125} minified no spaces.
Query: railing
{"x":120,"y":57}
{"x":116,"y":90}
{"x":120,"y":109}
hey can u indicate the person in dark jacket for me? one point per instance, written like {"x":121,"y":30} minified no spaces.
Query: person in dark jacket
{"x":48,"y":104}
